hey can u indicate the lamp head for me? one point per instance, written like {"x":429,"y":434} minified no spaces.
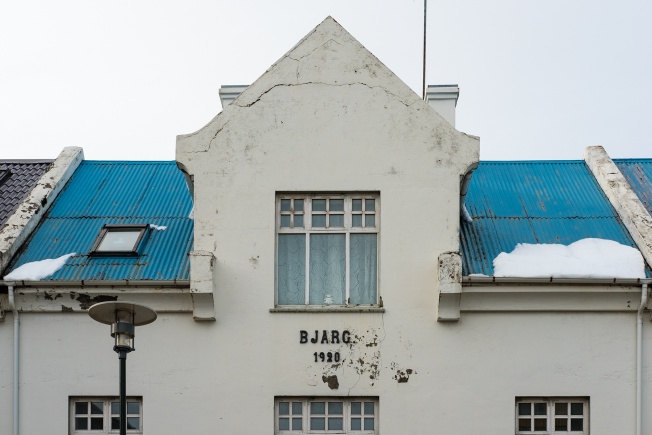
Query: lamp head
{"x":123,"y":318}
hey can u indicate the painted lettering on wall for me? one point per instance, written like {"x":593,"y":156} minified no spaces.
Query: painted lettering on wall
{"x":325,"y":337}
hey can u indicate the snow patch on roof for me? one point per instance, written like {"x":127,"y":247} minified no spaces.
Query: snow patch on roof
{"x":158,"y":227}
{"x":586,"y":258}
{"x":37,"y":270}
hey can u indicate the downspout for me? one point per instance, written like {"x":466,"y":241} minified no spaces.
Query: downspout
{"x":639,"y":354}
{"x":12,"y":306}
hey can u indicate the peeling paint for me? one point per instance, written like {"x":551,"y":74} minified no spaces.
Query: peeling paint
{"x":86,"y":301}
{"x":66,"y":309}
{"x":402,"y":376}
{"x":49,"y":297}
{"x":332,"y":381}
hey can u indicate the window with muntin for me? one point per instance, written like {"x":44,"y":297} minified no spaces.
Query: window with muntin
{"x":559,"y":415}
{"x":101,"y":415}
{"x":335,"y":415}
{"x":327,"y":249}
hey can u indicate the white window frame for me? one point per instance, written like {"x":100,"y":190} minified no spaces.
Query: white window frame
{"x":346,"y":415}
{"x":551,"y":415}
{"x":347,"y":229}
{"x":106,"y":415}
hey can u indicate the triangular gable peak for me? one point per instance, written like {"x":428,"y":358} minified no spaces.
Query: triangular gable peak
{"x":326,"y":64}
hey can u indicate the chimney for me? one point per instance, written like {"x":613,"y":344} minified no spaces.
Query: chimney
{"x":229,"y":93}
{"x":443,"y":98}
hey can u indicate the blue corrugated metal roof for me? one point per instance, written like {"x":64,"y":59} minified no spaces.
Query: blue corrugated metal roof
{"x":533,"y":202}
{"x":638,"y":174}
{"x":110,"y":192}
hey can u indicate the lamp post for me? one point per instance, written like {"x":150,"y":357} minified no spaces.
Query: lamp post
{"x":123,"y":318}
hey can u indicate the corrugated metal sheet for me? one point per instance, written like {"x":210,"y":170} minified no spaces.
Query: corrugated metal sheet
{"x":533,"y":202}
{"x":107,"y":192}
{"x":638,"y":174}
{"x":17,"y":179}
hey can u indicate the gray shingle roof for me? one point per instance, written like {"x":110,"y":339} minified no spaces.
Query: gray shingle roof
{"x":17,"y":178}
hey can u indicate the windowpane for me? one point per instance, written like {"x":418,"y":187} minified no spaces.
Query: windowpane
{"x":81,"y":423}
{"x":369,"y":205}
{"x":368,"y":423}
{"x":336,"y":220}
{"x":97,"y":408}
{"x":115,"y":423}
{"x":298,"y":204}
{"x":524,"y":409}
{"x":317,"y":423}
{"x":285,"y":221}
{"x":81,"y":407}
{"x":284,"y":408}
{"x":369,"y":220}
{"x":285,"y":205}
{"x":356,"y":408}
{"x":119,"y":241}
{"x":97,"y":423}
{"x":577,"y":424}
{"x":356,"y":424}
{"x":327,"y":268}
{"x":336,"y":205}
{"x":356,"y":220}
{"x":133,"y":408}
{"x":319,"y":205}
{"x":298,"y":221}
{"x":291,"y":269}
{"x":115,"y":407}
{"x":297,"y":408}
{"x":284,"y":424}
{"x":524,"y":424}
{"x":318,"y":408}
{"x":540,"y":409}
{"x":133,"y":422}
{"x":335,"y":423}
{"x":577,"y":409}
{"x":362,"y":277}
{"x":369,"y":408}
{"x":561,"y":408}
{"x":319,"y":220}
{"x":297,"y":424}
{"x":356,"y":204}
{"x":561,"y":424}
{"x":540,"y":424}
{"x":335,"y":408}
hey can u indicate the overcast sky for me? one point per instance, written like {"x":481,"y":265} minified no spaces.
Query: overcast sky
{"x":538,"y":79}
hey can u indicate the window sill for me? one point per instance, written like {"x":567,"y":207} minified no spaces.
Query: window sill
{"x":327,"y":309}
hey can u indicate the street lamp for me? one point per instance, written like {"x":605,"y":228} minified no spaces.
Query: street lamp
{"x":123,"y":318}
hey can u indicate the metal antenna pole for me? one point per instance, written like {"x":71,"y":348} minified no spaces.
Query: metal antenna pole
{"x":123,"y":392}
{"x":425,"y":20}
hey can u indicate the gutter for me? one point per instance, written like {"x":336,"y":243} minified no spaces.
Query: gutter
{"x":553,"y":280}
{"x":177,"y":283}
{"x":12,"y":306}
{"x":639,"y":358}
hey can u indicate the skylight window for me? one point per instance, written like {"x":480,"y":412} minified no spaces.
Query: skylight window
{"x":119,"y":240}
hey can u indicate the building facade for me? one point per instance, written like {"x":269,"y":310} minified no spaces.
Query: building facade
{"x":320,"y":262}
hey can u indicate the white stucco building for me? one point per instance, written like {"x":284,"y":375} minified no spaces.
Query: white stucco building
{"x":326,"y":280}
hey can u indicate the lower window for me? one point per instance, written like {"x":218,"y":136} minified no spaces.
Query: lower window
{"x":301,"y":415}
{"x":552,"y":415}
{"x":101,"y":415}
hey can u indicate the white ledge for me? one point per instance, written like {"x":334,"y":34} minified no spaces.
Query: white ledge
{"x":326,"y":309}
{"x":548,"y":280}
